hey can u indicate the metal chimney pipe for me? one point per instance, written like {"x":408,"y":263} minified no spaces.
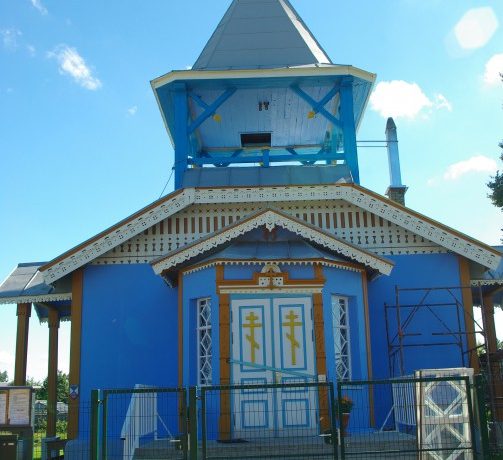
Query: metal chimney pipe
{"x":396,"y":190}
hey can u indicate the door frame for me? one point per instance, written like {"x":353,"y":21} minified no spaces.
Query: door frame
{"x":270,"y":280}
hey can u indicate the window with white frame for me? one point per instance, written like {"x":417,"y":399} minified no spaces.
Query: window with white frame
{"x":340,"y":321}
{"x":204,"y":341}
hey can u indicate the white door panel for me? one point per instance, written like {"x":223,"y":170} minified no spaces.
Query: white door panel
{"x":272,"y":342}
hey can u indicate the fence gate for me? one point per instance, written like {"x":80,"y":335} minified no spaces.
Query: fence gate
{"x":253,"y":421}
{"x":444,"y":415}
{"x":143,"y":422}
{"x":426,"y":418}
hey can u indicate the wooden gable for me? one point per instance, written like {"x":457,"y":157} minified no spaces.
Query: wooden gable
{"x":350,"y":212}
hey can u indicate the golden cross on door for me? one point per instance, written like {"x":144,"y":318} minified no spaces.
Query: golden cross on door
{"x":252,"y":325}
{"x":291,"y":323}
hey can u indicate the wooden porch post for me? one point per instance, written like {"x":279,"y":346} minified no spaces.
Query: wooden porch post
{"x":23,"y":322}
{"x":224,"y":325}
{"x":464,"y":272}
{"x":319,"y":343}
{"x":75,"y":343}
{"x":52,"y":373}
{"x":492,"y":347}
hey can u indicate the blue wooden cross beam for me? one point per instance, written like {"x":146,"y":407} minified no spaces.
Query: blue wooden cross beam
{"x":319,"y":106}
{"x":293,"y":152}
{"x":309,"y":158}
{"x":209,"y":109}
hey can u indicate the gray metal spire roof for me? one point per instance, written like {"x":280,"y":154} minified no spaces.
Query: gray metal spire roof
{"x":260,"y":34}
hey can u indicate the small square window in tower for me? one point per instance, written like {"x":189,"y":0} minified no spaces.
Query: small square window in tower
{"x":255,"y":139}
{"x":204,"y":342}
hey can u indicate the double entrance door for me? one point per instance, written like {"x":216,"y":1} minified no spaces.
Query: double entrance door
{"x":273,"y":342}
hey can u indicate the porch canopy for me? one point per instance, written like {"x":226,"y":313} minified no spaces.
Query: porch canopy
{"x":25,"y":285}
{"x":489,"y":283}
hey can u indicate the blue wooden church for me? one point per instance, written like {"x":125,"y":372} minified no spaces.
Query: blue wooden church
{"x":271,"y":260}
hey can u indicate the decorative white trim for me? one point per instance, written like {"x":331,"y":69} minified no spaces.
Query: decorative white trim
{"x":325,"y":263}
{"x":63,"y":319}
{"x":486,"y":282}
{"x":36,"y":298}
{"x":303,"y":71}
{"x":365,"y":199}
{"x":257,"y":290}
{"x":204,"y":342}
{"x":270,"y":219}
{"x":110,"y":239}
{"x":342,"y":337}
{"x":337,"y":217}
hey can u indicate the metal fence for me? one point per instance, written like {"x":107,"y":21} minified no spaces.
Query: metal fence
{"x":290,"y":421}
{"x":409,"y":418}
{"x":140,"y":423}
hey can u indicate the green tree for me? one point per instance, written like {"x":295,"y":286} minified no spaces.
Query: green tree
{"x":496,"y":182}
{"x":4,"y":377}
{"x":63,"y":388}
{"x":496,"y":185}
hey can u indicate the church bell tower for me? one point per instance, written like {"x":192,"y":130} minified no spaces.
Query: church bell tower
{"x":263,"y":94}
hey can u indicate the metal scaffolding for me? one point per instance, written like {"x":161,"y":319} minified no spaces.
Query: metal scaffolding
{"x":403,"y":314}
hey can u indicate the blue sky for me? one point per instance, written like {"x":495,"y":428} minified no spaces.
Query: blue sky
{"x":82,"y":143}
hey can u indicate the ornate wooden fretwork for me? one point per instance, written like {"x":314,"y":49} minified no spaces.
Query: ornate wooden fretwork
{"x":271,"y":280}
{"x":342,"y":345}
{"x":37,"y":298}
{"x":271,"y":219}
{"x":323,"y":262}
{"x":370,"y":220}
{"x":343,"y":220}
{"x":204,"y":340}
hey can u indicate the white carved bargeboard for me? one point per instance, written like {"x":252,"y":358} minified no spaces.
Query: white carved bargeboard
{"x":343,"y":220}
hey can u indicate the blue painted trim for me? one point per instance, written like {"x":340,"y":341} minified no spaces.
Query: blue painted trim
{"x":316,"y":105}
{"x":306,"y":411}
{"x":265,"y":412}
{"x":197,"y":99}
{"x":294,"y":389}
{"x":265,"y":158}
{"x":309,"y":158}
{"x":349,"y":128}
{"x":293,"y":152}
{"x":210,"y":109}
{"x":321,"y":104}
{"x":181,"y":139}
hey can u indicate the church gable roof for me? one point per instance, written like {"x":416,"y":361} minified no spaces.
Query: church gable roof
{"x":260,"y":34}
{"x":270,"y":219}
{"x":370,"y":202}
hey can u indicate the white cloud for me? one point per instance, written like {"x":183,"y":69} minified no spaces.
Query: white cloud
{"x":494,"y":67}
{"x":132,"y":110}
{"x":31,"y":50}
{"x":476,"y":28}
{"x":73,"y":64}
{"x":10,"y":37}
{"x":477,"y":163}
{"x":441,"y":102}
{"x":6,"y":358}
{"x":401,"y":99}
{"x":7,"y":363}
{"x":38,"y":5}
